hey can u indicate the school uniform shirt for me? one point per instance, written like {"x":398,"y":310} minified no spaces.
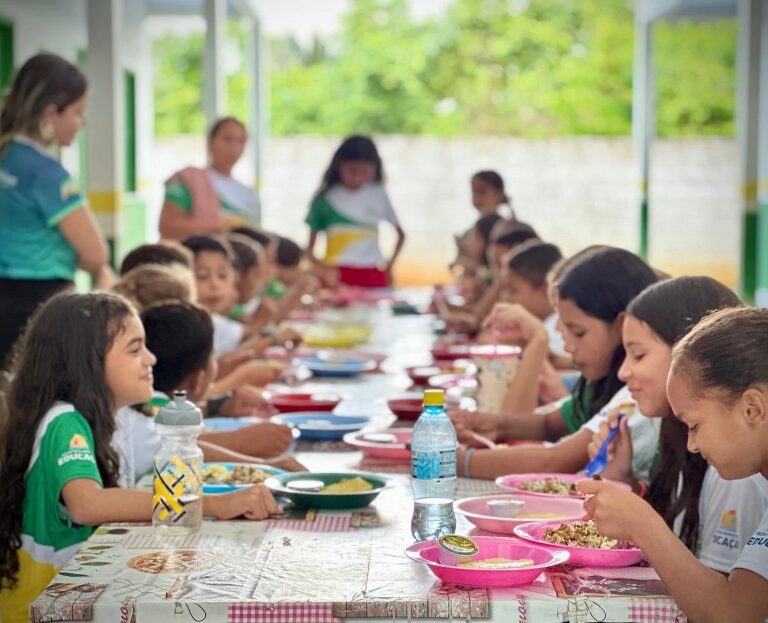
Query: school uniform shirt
{"x":754,"y":556}
{"x":556,"y":342}
{"x":236,"y":200}
{"x":136,"y":439}
{"x":643,"y":430}
{"x":350,"y":220}
{"x":729,"y":513}
{"x":36,"y":194}
{"x":227,"y":334}
{"x":63,"y":451}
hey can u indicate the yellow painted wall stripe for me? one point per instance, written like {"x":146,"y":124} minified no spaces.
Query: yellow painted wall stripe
{"x":749,"y":190}
{"x":106,"y":202}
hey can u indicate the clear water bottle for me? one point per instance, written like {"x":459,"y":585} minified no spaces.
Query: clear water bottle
{"x":433,"y":470}
{"x":178,"y":468}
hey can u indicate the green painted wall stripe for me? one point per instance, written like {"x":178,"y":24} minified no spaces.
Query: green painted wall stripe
{"x":762,"y":245}
{"x":644,"y":227}
{"x":6,"y":54}
{"x":749,"y":255}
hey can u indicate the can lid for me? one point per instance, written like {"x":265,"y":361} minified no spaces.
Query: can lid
{"x":434,"y":398}
{"x":457,"y":544}
{"x":179,"y":412}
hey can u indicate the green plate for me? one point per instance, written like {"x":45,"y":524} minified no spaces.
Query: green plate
{"x":333,"y":501}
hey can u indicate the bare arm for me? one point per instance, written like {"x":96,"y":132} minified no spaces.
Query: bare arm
{"x":398,"y":246}
{"x":523,"y":391}
{"x":264,"y":440}
{"x":175,"y":224}
{"x":567,"y":456}
{"x":311,"y":247}
{"x":89,"y":504}
{"x":84,"y":234}
{"x":705,"y":595}
{"x":489,"y":298}
{"x":547,"y":426}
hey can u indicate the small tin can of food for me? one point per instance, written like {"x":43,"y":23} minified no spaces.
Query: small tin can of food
{"x":455,"y":548}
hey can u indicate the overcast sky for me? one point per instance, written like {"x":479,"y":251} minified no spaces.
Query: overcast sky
{"x":305,"y":18}
{"x":301,"y":18}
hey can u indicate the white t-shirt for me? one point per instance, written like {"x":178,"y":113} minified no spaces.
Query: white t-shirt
{"x":240,"y":200}
{"x":350,"y":220}
{"x":136,"y":441}
{"x":556,"y":342}
{"x":754,"y":556}
{"x":729,"y":513}
{"x":227,"y":334}
{"x":644,"y":431}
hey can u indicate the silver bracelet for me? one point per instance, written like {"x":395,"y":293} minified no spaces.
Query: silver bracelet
{"x":467,"y":459}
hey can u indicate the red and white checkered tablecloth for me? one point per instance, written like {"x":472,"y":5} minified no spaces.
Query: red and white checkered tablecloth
{"x":321,"y":523}
{"x":648,"y":611}
{"x":280,"y":613}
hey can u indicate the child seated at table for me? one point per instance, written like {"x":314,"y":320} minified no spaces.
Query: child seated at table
{"x":180,"y":336}
{"x":166,"y":253}
{"x":235,"y":344}
{"x":253,"y":273}
{"x":82,"y":358}
{"x":687,"y":492}
{"x":467,"y":318}
{"x":524,"y":281}
{"x":593,"y":292}
{"x":292,"y":281}
{"x":717,"y":387}
{"x":149,"y":283}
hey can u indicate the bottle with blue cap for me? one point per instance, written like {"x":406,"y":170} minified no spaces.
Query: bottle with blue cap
{"x":178,"y":468}
{"x":433,"y":470}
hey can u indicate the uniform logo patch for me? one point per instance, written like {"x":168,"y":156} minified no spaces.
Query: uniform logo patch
{"x":78,"y":442}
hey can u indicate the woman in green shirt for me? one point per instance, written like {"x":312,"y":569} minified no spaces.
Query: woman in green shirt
{"x":46,"y":228}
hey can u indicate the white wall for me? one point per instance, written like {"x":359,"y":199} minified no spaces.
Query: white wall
{"x":574,"y":191}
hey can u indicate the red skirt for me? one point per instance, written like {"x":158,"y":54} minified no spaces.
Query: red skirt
{"x":363,"y":277}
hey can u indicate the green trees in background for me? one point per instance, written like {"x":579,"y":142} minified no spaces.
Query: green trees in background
{"x":530,"y":68}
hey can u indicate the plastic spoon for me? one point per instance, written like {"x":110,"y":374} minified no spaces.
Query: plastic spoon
{"x":600,"y":461}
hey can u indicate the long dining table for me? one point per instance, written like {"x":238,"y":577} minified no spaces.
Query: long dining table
{"x":337,"y":566}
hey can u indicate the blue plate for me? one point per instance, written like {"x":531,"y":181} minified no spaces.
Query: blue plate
{"x":227,"y":423}
{"x":342,"y":366}
{"x":227,"y":487}
{"x":322,"y":426}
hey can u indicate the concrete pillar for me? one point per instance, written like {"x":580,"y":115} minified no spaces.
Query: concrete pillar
{"x":105,"y":116}
{"x":256,"y":62}
{"x":214,"y":83}
{"x":643,"y":118}
{"x":747,"y":116}
{"x":761,"y":293}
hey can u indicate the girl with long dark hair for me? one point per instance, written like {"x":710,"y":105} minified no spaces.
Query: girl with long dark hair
{"x":347,"y":208}
{"x":592,"y":293}
{"x":712,"y":516}
{"x":83,"y":358}
{"x":718,"y":388}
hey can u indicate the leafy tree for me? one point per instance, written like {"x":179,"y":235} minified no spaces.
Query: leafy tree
{"x":531,"y":68}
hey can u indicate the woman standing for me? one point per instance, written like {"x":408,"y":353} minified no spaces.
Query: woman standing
{"x":46,"y":228}
{"x":209,"y":201}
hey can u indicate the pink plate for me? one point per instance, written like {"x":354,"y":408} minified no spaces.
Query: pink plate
{"x":420,"y":375}
{"x":293,"y":403}
{"x":477,"y":511}
{"x":490,"y":547}
{"x":581,"y":556}
{"x":512,"y":482}
{"x":449,"y":381}
{"x":399,"y":450}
